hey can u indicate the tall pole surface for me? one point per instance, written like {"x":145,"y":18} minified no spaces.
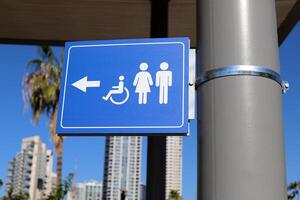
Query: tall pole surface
{"x":157,"y":146}
{"x":241,"y":146}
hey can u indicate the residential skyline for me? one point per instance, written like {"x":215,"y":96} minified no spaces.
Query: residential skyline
{"x":88,"y":190}
{"x":34,"y":165}
{"x":16,"y":123}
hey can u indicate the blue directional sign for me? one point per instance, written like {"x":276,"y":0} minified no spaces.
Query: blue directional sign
{"x":125,"y":87}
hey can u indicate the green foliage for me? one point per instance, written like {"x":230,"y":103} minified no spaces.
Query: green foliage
{"x":174,"y":195}
{"x":19,"y":196}
{"x":293,"y":190}
{"x":1,"y":183}
{"x":41,"y":84}
{"x":60,"y":192}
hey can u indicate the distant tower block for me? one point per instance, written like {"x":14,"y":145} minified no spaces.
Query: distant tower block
{"x":30,"y":171}
{"x":122,"y":168}
{"x":174,"y":165}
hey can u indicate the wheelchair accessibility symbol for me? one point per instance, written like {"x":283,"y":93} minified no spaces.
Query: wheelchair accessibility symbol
{"x":117,"y":90}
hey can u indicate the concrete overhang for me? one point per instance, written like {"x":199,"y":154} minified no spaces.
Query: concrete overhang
{"x":53,"y":22}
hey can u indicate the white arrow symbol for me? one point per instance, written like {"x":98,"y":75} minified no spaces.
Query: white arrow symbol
{"x":83,"y":83}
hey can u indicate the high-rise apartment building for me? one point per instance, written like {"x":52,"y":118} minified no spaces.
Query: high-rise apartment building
{"x":143,"y":192}
{"x":91,"y":190}
{"x":30,"y":171}
{"x":122,"y":168}
{"x":174,"y":165}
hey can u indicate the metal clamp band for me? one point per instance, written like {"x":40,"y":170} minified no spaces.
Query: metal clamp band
{"x":238,"y":70}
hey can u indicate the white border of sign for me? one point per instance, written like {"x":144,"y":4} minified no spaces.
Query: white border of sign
{"x":121,"y":127}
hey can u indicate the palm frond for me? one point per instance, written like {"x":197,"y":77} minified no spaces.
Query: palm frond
{"x":34,"y":64}
{"x":41,"y":84}
{"x":48,"y":54}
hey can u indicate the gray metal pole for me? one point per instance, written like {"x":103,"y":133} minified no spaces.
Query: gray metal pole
{"x":241,"y":145}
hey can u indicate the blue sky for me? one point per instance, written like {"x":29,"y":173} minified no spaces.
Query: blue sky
{"x":290,"y":69}
{"x":84,"y":155}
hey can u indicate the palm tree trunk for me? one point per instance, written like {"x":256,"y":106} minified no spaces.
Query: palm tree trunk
{"x":59,"y":163}
{"x":58,"y":144}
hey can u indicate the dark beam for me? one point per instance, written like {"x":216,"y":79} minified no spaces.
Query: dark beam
{"x":159,"y":18}
{"x":157,"y":146}
{"x":289,"y":22}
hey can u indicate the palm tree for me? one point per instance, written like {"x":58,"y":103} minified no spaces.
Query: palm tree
{"x":293,"y":190}
{"x":41,"y":86}
{"x":11,"y":196}
{"x":60,"y":192}
{"x":174,"y":195}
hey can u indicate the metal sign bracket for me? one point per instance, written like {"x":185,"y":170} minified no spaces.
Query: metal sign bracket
{"x":243,"y":70}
